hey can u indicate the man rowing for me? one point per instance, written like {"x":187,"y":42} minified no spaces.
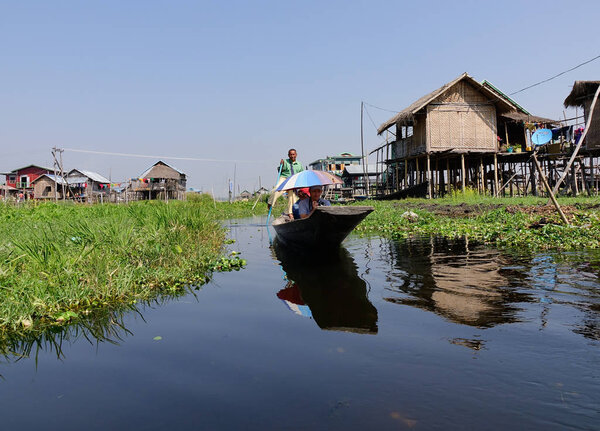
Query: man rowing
{"x":289,"y":167}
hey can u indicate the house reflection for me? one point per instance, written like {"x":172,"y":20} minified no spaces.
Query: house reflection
{"x":328,"y":289}
{"x":464,"y":284}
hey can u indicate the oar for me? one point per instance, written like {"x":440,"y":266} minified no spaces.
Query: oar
{"x":278,"y":176}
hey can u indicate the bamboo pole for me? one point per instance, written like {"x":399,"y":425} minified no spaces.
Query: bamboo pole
{"x":552,"y":197}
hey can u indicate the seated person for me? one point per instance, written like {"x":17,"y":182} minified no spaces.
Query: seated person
{"x":307,"y":206}
{"x":302,"y":195}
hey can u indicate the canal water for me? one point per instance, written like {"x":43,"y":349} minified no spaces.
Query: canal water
{"x":385,"y":335}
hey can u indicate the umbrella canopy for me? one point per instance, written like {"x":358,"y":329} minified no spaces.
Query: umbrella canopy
{"x":308,"y":179}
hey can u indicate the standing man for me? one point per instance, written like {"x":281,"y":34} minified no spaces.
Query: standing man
{"x":289,"y":167}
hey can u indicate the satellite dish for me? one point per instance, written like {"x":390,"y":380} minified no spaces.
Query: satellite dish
{"x":541,"y":136}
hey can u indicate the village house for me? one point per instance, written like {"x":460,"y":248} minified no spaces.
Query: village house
{"x":77,"y":184}
{"x":335,"y":164}
{"x":450,"y":139}
{"x":581,"y":96}
{"x":160,"y":181}
{"x":22,"y":179}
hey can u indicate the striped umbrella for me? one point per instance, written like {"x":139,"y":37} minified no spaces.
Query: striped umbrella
{"x":308,"y":179}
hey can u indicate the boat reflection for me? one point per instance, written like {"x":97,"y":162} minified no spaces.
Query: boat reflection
{"x":328,"y":289}
{"x":466,"y":285}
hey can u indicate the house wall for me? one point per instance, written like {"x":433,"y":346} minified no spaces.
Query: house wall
{"x":32,"y":172}
{"x":44,"y":189}
{"x":592,"y":138}
{"x":461,"y":119}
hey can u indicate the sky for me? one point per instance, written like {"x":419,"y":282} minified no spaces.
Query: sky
{"x":235,"y":84}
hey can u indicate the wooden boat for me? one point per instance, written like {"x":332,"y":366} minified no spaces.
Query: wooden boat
{"x":325,"y":227}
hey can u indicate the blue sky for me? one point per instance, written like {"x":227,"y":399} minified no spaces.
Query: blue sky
{"x":244,"y":81}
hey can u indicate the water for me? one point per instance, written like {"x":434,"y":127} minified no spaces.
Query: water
{"x":424,"y":334}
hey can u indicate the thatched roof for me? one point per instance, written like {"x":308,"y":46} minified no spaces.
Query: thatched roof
{"x":161,"y":170}
{"x":406,"y":116}
{"x":582,"y":90}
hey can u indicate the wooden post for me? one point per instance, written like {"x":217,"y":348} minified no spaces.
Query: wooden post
{"x":405,"y":172}
{"x":496,"y":171}
{"x":428,"y":177}
{"x":506,"y":133}
{"x":418,"y":179}
{"x":554,"y":201}
{"x":397,"y":179}
{"x":448,"y":174}
{"x":463,"y":179}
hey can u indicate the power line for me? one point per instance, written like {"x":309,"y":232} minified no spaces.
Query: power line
{"x":556,"y":76}
{"x":147,"y":156}
{"x":516,"y":92}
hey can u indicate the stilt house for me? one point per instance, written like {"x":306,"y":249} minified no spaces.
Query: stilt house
{"x":450,"y":139}
{"x":160,"y":181}
{"x":581,"y":96}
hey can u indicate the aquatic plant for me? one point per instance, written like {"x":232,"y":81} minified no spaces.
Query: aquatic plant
{"x":524,"y":223}
{"x":62,"y":260}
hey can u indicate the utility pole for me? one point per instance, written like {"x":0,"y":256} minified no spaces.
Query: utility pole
{"x":362,"y":148}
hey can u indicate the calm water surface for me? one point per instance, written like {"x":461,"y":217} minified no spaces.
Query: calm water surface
{"x":382,"y":335}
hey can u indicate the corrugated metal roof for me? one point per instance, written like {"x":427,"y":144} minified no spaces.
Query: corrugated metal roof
{"x":94,"y":176}
{"x":372,"y":169}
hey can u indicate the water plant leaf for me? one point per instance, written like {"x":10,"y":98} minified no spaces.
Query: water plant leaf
{"x":157,"y":338}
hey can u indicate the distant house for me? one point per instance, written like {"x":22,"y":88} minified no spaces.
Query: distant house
{"x":49,"y":186}
{"x":78,"y":184}
{"x":21,"y":179}
{"x":160,"y":181}
{"x":581,"y":96}
{"x":245,"y":195}
{"x":7,"y":191}
{"x":87,"y":184}
{"x":261,"y":191}
{"x":335,"y":164}
{"x":354,"y":177}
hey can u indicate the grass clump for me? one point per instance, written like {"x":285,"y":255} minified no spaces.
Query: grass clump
{"x":61,"y":261}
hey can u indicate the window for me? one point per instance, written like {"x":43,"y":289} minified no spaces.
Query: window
{"x":47,"y":191}
{"x":24,"y":181}
{"x":12,"y":178}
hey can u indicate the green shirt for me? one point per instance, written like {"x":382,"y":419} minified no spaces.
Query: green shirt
{"x":286,"y":170}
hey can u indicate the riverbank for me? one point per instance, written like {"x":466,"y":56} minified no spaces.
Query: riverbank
{"x":62,"y":261}
{"x":523,"y":223}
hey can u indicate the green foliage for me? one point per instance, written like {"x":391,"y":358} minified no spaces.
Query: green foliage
{"x":505,"y":223}
{"x":61,"y":261}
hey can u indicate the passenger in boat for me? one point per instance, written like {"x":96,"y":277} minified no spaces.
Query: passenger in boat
{"x":306,"y":207}
{"x":289,"y":167}
{"x":303,"y":194}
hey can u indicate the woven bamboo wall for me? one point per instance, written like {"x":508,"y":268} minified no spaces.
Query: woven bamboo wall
{"x":461,"y":92}
{"x":461,"y":127}
{"x":592,"y":139}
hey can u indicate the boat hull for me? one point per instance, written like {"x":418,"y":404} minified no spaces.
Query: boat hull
{"x":326,"y":226}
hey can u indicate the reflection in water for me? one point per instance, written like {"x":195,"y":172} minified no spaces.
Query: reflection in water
{"x":100,"y":326}
{"x":464,"y":285}
{"x":327,"y":288}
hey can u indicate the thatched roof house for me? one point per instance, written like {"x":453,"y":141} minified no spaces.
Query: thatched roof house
{"x":581,"y":96}
{"x":160,"y":181}
{"x":461,"y":116}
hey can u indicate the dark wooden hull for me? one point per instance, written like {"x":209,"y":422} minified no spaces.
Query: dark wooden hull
{"x":326,"y":227}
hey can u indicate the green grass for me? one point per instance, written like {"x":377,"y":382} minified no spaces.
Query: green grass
{"x":523,"y":223}
{"x":63,"y":261}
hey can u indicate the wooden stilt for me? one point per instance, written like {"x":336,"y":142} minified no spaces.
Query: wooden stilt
{"x":463,"y":173}
{"x":496,"y":168}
